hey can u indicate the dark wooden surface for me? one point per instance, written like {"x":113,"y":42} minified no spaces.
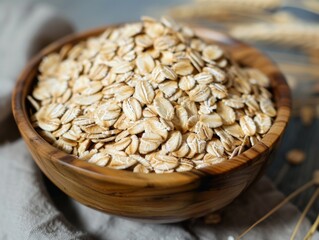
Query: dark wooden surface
{"x":305,"y":138}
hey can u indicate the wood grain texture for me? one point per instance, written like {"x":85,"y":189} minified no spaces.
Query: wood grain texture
{"x":159,"y":198}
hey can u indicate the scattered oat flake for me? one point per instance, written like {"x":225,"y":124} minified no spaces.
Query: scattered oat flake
{"x":295,"y":156}
{"x":307,"y":115}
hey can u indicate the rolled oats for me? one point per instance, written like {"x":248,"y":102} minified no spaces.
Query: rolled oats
{"x":248,"y":125}
{"x":164,"y":108}
{"x":132,"y":109}
{"x":150,"y":97}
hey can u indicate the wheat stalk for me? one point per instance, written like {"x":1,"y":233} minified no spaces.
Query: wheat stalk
{"x":259,"y":4}
{"x":312,"y":4}
{"x":303,"y":215}
{"x":282,"y":203}
{"x":220,"y":10}
{"x":281,"y":28}
{"x":293,"y":34}
{"x":313,"y":182}
{"x":312,"y":230}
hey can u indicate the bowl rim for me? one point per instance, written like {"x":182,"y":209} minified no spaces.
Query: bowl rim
{"x":282,"y":100}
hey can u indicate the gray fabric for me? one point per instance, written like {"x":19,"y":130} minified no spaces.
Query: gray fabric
{"x":25,"y":29}
{"x":26,"y":209}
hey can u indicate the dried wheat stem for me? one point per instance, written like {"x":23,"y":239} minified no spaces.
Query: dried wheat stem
{"x":312,"y":230}
{"x":210,"y":11}
{"x":312,"y":5}
{"x":282,"y":173}
{"x":265,"y":4}
{"x":303,"y":215}
{"x":282,"y":203}
{"x":310,"y":69}
{"x":293,"y":34}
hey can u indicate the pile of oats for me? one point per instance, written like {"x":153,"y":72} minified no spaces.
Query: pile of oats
{"x":150,"y":97}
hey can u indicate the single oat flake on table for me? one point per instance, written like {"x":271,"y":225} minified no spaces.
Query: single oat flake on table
{"x":150,"y":97}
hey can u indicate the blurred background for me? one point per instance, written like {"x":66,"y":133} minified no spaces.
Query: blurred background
{"x":287,"y":31}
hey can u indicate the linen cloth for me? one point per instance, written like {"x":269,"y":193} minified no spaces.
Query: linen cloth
{"x":27,"y":210}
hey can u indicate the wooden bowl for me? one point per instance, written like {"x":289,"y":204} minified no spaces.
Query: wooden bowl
{"x":161,"y":198}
